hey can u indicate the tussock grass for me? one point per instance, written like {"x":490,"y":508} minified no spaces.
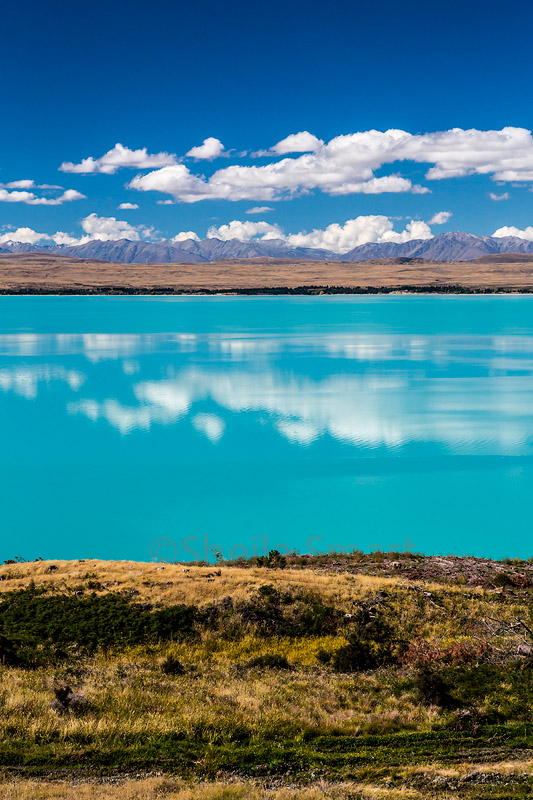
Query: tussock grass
{"x":174,"y":583}
{"x":217,"y":701}
{"x":231,"y":714}
{"x":158,"y":788}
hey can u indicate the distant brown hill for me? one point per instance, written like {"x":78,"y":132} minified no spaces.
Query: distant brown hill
{"x":36,"y":273}
{"x":505,"y":258}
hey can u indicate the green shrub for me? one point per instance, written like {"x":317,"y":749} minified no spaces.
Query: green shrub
{"x":9,"y":655}
{"x":45,"y":625}
{"x":172,"y":666}
{"x":323,"y":656}
{"x":502,"y":579}
{"x":433,"y":689}
{"x":274,"y":560}
{"x":269,"y":661}
{"x":371,"y":644}
{"x":273,"y":612}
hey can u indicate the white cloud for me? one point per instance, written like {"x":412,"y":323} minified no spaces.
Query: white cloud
{"x":347,"y":163}
{"x":60,"y":237}
{"x":210,"y":148}
{"x":165,"y":202}
{"x":358,"y":231}
{"x":285,"y":178}
{"x":29,"y":236}
{"x":118,"y":157}
{"x":184,"y":236}
{"x":498,"y":197}
{"x":259,"y":210}
{"x":440,"y":218}
{"x":24,"y":184}
{"x":302,"y":142}
{"x":102,"y":228}
{"x":108,"y":229}
{"x":23,"y":236}
{"x":510,"y":230}
{"x":32,"y":199}
{"x":336,"y":237}
{"x":127,"y":206}
{"x":244,"y":231}
{"x":339,"y":238}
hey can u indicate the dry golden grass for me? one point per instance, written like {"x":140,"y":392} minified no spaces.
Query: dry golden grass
{"x":220,"y":701}
{"x":174,"y":583}
{"x":173,"y":789}
{"x":32,"y":272}
{"x":215,"y":700}
{"x":167,"y":788}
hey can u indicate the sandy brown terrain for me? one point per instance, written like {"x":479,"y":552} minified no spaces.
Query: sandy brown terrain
{"x":42,"y":274}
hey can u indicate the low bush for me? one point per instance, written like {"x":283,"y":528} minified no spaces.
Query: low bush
{"x":503,"y":580}
{"x":323,"y":656}
{"x":44,"y":626}
{"x":433,"y":689}
{"x":371,"y":644}
{"x":420,"y":652}
{"x":268,"y":661}
{"x":273,"y":612}
{"x":67,"y":701}
{"x":9,"y":655}
{"x":172,"y":666}
{"x":274,"y":560}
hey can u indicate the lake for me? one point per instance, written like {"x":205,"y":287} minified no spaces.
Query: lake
{"x":175,"y":428}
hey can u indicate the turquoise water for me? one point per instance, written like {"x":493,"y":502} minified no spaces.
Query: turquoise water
{"x":165,"y":427}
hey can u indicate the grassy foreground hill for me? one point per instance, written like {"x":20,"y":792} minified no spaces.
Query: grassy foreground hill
{"x":344,"y":676}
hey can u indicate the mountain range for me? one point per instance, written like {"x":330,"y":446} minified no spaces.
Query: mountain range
{"x":453,"y":246}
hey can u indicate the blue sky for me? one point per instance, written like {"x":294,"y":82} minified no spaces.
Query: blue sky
{"x":162,"y":77}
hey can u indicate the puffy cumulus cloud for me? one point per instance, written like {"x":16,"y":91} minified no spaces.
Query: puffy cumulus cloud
{"x":389,"y":183}
{"x":108,"y":229}
{"x":259,"y":210}
{"x":440,"y":218}
{"x":210,"y":148}
{"x":24,"y":184}
{"x":31,"y":199}
{"x":127,"y":206}
{"x":498,"y":197}
{"x":347,"y":165}
{"x":336,"y":237}
{"x":282,"y":179}
{"x":60,"y":237}
{"x":510,"y":230}
{"x":29,"y":236}
{"x":117,"y":158}
{"x":302,"y":142}
{"x":244,"y":231}
{"x":94,"y":227}
{"x":23,"y":236}
{"x":176,"y":180}
{"x":184,"y":236}
{"x":358,"y":231}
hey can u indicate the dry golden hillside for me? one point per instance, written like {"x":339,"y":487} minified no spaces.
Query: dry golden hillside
{"x":38,"y":273}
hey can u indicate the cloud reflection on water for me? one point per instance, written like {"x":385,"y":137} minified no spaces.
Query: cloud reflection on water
{"x":466,"y":394}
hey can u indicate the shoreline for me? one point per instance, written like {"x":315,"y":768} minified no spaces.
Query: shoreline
{"x":272,"y":291}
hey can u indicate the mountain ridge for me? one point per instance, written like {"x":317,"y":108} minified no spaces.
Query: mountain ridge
{"x":451,"y":246}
